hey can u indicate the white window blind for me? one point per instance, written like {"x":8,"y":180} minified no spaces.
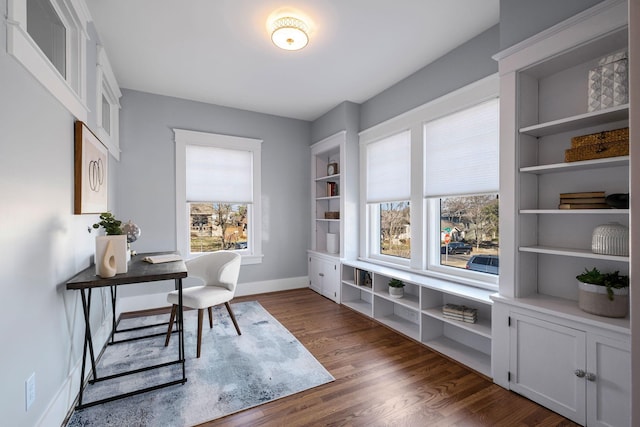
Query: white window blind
{"x":389,"y":169}
{"x":461,"y":152}
{"x":218,"y":175}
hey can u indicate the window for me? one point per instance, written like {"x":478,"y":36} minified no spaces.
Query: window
{"x":388,"y":186}
{"x":48,"y":37}
{"x":429,"y":181}
{"x":107,"y":104}
{"x":218,"y":194}
{"x":461,"y":182}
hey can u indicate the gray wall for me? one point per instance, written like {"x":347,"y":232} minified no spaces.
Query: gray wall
{"x":520,"y":19}
{"x":448,"y":73}
{"x":146,"y":177}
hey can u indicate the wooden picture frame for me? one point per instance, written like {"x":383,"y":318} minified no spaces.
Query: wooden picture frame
{"x":90,"y":172}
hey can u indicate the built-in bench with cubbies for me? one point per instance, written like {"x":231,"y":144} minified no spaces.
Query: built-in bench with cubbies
{"x":419,"y":313}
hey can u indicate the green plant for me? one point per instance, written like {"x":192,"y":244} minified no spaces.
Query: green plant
{"x":610,"y":280}
{"x":396,"y":283}
{"x":111,"y":225}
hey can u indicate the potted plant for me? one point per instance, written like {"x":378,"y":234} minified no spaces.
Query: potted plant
{"x":396,"y":288}
{"x":111,"y":225}
{"x":114,"y":240}
{"x":603,"y":294}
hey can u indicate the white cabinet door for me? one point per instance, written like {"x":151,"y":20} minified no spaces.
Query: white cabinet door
{"x":331,"y":281}
{"x":324,"y":277}
{"x":547,"y":365}
{"x":315,"y":279}
{"x":608,"y":382}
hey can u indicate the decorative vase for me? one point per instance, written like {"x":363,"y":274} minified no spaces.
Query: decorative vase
{"x":396,"y":292}
{"x":594,"y":299}
{"x":119,"y":243}
{"x":333,"y":245}
{"x":610,"y":239}
{"x":107,"y":264}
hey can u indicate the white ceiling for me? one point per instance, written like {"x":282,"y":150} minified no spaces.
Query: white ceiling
{"x":220,"y":52}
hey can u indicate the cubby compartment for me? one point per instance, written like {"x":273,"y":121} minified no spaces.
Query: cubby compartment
{"x":397,"y":316}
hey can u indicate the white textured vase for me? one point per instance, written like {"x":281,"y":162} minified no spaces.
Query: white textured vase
{"x":333,"y":243}
{"x":610,"y":239}
{"x":396,"y":292}
{"x":107,"y":264}
{"x":119,"y":244}
{"x":595,"y":300}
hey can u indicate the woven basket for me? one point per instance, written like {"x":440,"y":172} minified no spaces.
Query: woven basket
{"x":599,"y":150}
{"x":608,"y":136}
{"x":332,"y":215}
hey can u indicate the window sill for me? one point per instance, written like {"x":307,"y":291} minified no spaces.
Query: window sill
{"x":435,"y":275}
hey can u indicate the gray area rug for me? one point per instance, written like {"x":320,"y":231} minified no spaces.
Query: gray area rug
{"x":233,"y":373}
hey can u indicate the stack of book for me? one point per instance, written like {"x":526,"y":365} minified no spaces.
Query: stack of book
{"x":584,"y":200}
{"x":460,"y":312}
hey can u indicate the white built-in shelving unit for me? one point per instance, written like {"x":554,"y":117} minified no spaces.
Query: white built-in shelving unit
{"x":418,"y":314}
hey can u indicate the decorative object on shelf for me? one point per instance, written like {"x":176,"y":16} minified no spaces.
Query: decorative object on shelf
{"x":90,"y":172}
{"x":332,"y":168}
{"x":332,"y":215}
{"x":618,"y":200}
{"x":599,"y":145}
{"x":603,"y":294}
{"x":610,"y":239}
{"x":113,"y":228}
{"x":333,"y":243}
{"x":362,"y":278}
{"x":132,"y":231}
{"x":460,"y":312}
{"x":609,"y":82}
{"x":396,"y":288}
{"x":583,"y":200}
{"x":332,"y":189}
{"x":107,"y":264}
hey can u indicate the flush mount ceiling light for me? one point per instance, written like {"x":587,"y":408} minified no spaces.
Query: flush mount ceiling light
{"x":289,"y":33}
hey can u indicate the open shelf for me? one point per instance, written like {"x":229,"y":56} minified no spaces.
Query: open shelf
{"x":482,"y":327}
{"x":610,"y":162}
{"x":466,"y":355}
{"x":579,"y":121}
{"x":579,"y":253}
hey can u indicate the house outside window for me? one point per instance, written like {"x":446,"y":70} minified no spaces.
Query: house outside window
{"x":218,"y":194}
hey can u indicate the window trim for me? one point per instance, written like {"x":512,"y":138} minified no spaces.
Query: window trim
{"x":69,"y":91}
{"x":182,"y":138}
{"x":107,"y":87}
{"x":422,"y":231}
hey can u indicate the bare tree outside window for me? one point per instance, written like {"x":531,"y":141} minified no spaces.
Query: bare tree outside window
{"x":217,"y":226}
{"x":395,"y":229}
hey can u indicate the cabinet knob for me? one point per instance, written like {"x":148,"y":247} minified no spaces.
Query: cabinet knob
{"x":579,"y":373}
{"x":321,"y":274}
{"x":590,"y":377}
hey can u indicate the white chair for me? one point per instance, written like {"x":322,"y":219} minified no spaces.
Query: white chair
{"x":219,"y":272}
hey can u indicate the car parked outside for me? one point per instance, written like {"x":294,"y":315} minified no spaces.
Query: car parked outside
{"x":457,"y":248}
{"x":484,"y":263}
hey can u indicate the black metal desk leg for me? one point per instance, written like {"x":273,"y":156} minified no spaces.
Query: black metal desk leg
{"x":181,"y":327}
{"x":114,"y":290}
{"x":86,"y":308}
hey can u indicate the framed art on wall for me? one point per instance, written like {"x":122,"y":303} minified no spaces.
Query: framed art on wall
{"x":90,"y":172}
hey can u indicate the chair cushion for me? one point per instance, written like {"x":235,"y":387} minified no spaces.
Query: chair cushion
{"x":201,"y":296}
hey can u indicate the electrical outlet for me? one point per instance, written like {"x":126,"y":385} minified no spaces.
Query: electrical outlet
{"x":30,"y":391}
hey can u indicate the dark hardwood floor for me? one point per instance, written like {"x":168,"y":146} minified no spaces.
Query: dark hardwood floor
{"x":382,"y":378}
